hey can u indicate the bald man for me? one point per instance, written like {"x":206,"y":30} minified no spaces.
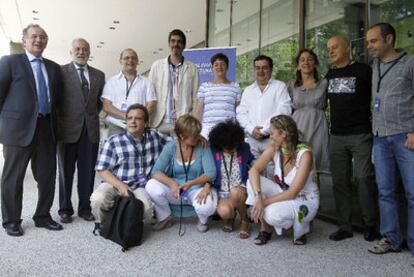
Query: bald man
{"x":78,"y":130}
{"x":125,"y":89}
{"x":349,"y":94}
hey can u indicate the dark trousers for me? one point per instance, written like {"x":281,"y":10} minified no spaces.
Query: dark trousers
{"x":83,"y":154}
{"x":344,"y":149}
{"x":42,"y":154}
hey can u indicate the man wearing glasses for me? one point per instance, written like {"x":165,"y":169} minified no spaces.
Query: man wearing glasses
{"x":29,"y":86}
{"x":261,"y":101}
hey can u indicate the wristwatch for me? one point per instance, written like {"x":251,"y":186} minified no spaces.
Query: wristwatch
{"x":258,"y":193}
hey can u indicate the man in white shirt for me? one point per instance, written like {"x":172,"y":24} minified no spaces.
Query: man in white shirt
{"x":176,"y":83}
{"x":124,"y":89}
{"x":261,"y":101}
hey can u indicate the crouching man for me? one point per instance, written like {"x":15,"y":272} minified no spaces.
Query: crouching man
{"x":125,"y":161}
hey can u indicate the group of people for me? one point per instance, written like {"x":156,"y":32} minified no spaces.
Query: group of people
{"x":185,"y":142}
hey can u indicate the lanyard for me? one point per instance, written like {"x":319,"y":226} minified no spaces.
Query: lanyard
{"x":228,"y":172}
{"x":143,"y":152}
{"x":128,"y":88}
{"x":380,"y":77}
{"x":186,"y":167}
{"x":284,"y":186}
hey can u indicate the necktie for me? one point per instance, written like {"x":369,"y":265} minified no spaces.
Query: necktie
{"x":84,"y":82}
{"x":43,"y":99}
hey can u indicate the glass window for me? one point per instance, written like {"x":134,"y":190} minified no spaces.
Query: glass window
{"x":280,"y":35}
{"x":245,"y":37}
{"x":400,"y":14}
{"x":325,"y":19}
{"x":219,"y":23}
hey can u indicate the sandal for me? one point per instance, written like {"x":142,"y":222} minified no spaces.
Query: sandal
{"x":228,"y":226}
{"x":300,"y":241}
{"x":244,"y":229}
{"x":262,"y":238}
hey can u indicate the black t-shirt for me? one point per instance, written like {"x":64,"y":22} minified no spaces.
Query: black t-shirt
{"x":349,"y":94}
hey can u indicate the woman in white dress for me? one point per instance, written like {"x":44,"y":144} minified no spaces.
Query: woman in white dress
{"x":292,"y":198}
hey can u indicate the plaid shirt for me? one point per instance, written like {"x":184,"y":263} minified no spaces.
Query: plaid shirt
{"x":126,"y":161}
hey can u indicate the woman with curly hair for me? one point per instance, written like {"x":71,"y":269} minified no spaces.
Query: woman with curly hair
{"x":232,"y":157}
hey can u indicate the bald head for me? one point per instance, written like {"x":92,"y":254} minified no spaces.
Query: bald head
{"x":338,"y":50}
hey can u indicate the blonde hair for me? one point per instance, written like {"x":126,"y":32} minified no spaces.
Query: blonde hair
{"x":293,"y":135}
{"x":187,"y":126}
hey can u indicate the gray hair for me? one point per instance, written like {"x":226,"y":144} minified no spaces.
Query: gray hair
{"x":25,"y":30}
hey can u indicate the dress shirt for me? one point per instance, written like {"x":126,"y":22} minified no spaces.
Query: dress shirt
{"x":31,"y":57}
{"x":257,"y":108}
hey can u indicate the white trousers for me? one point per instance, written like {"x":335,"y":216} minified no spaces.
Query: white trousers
{"x":161,"y":196}
{"x":285,"y":214}
{"x":102,"y":200}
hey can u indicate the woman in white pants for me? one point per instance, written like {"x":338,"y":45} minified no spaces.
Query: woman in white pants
{"x":292,"y":199}
{"x":184,"y":170}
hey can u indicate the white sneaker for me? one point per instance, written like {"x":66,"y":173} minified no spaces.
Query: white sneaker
{"x":202,"y":228}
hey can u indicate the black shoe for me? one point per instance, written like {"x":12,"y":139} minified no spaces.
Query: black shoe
{"x":49,"y":224}
{"x":87,"y":216}
{"x":340,"y":235}
{"x":65,"y":218}
{"x":14,"y":229}
{"x":371,"y":234}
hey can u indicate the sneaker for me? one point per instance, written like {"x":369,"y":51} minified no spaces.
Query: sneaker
{"x":202,"y":228}
{"x":382,"y":247}
{"x":340,"y":235}
{"x":166,"y":223}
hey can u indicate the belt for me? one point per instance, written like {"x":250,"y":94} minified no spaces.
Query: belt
{"x":43,"y":115}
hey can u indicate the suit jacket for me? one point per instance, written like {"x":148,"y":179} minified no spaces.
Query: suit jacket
{"x":76,"y":110}
{"x":18,"y":99}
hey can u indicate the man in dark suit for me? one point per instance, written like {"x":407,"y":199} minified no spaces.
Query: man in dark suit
{"x":78,"y":132}
{"x":29,"y":87}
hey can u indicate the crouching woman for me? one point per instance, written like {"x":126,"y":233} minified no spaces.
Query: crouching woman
{"x":292,"y":198}
{"x":184,"y":170}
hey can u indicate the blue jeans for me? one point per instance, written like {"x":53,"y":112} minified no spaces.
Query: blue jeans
{"x":390,"y":154}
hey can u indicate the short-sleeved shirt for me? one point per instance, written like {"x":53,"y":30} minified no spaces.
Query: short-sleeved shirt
{"x":141,"y":91}
{"x":126,"y":161}
{"x":219,"y":101}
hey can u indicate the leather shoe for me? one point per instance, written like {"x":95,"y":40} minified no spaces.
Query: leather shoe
{"x":14,"y":229}
{"x":49,"y":224}
{"x":65,"y":218}
{"x":340,"y":235}
{"x":371,"y":234}
{"x":87,"y":216}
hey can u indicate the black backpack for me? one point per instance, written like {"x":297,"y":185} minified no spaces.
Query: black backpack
{"x":123,"y":223}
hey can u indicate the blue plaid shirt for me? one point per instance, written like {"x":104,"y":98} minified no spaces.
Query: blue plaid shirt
{"x":126,"y":161}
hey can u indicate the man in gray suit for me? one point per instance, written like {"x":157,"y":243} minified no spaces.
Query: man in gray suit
{"x":29,"y":86}
{"x":78,"y":132}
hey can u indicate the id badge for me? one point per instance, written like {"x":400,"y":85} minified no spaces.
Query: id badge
{"x":224,"y":195}
{"x":142,"y":180}
{"x":124,"y":107}
{"x":377,"y":104}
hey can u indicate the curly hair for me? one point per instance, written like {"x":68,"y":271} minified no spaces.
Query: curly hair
{"x":226,"y":135}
